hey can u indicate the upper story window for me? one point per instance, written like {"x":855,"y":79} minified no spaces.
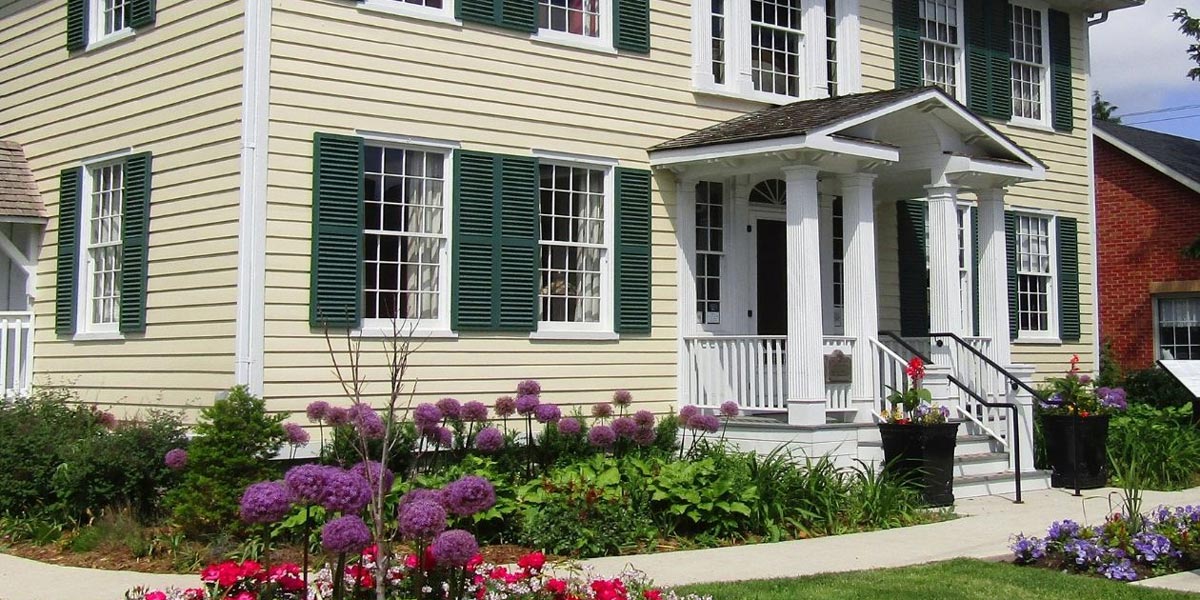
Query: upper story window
{"x":1036,"y":285}
{"x":966,"y":265}
{"x":776,"y":37}
{"x":574,"y":17}
{"x":574,"y":280}
{"x":1029,"y":64}
{"x":941,"y":44}
{"x":1177,"y":327}
{"x":108,"y":18}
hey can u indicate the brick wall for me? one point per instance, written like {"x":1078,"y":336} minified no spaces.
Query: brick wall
{"x":1144,"y":220}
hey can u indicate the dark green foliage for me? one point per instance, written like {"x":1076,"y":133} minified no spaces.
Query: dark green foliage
{"x":1162,"y":443}
{"x":235,"y":438}
{"x":122,"y":467}
{"x":1156,"y":388}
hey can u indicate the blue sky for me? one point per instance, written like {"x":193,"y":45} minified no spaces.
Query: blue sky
{"x":1139,"y":63}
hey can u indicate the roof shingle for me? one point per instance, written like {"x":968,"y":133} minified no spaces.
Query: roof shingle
{"x":19,"y":195}
{"x":1180,"y":154}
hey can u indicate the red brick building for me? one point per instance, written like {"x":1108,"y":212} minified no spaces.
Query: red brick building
{"x":1147,"y":215}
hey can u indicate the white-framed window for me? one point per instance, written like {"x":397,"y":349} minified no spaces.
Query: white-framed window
{"x":966,"y":266}
{"x":406,"y":224}
{"x":776,"y":36}
{"x":577,"y":22}
{"x":575,"y":279}
{"x":434,"y":10}
{"x":831,"y":47}
{"x":710,"y":250}
{"x":1177,"y":327}
{"x":107,"y":18}
{"x":1037,"y":293}
{"x":838,"y":270}
{"x":942,"y":44}
{"x":1029,"y":60}
{"x":103,"y":203}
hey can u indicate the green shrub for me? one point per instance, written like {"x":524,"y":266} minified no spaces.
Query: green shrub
{"x":1156,"y":388}
{"x":1163,"y":444}
{"x":234,"y":442}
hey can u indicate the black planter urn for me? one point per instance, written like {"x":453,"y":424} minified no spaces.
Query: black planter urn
{"x":1075,"y":447}
{"x":922,"y":456}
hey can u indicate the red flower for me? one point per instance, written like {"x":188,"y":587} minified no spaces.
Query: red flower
{"x":606,"y":589}
{"x":253,"y":570}
{"x":224,"y":574}
{"x":474,"y":563}
{"x":245,"y":596}
{"x":652,"y":594}
{"x":156,"y":595}
{"x":1083,"y":413}
{"x":1074,"y":364}
{"x":361,"y":576}
{"x":915,"y":369}
{"x":554,"y":586}
{"x":287,"y":575}
{"x":533,"y":561}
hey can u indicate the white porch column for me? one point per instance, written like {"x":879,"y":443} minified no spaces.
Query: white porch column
{"x":805,"y":362}
{"x":861,"y":312}
{"x":685,"y":221}
{"x":945,"y":299}
{"x":993,"y":274}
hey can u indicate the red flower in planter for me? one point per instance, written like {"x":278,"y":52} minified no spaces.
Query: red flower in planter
{"x":915,"y":369}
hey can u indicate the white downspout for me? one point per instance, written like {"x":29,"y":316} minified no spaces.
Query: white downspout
{"x":256,"y":73}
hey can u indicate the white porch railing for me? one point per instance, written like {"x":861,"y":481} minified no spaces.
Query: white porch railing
{"x":16,"y":352}
{"x":984,"y":380}
{"x":890,"y":372}
{"x":750,"y":370}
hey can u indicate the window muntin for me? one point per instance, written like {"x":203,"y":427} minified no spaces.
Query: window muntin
{"x":1028,"y":60}
{"x":105,"y":197}
{"x":1178,"y":328}
{"x":710,"y":250}
{"x":574,"y":17}
{"x":108,"y":17}
{"x":1035,"y":275}
{"x":838,"y":271}
{"x":718,"y":41}
{"x":966,"y":265}
{"x":776,"y":36}
{"x":941,"y":44}
{"x":573,"y":244}
{"x":404,"y":235}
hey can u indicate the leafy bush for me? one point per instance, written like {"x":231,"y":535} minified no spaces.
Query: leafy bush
{"x":692,"y":497}
{"x":1163,"y":444}
{"x":1156,"y":388}
{"x":235,"y":439}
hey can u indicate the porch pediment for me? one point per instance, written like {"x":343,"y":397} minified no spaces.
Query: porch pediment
{"x":892,"y":130}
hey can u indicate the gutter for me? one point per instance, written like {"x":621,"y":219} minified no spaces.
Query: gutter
{"x":252,"y":230}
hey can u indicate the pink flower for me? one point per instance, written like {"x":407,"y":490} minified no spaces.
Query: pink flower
{"x":156,"y":595}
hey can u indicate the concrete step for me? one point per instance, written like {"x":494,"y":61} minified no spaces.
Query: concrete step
{"x":999,"y":484}
{"x":965,"y":444}
{"x":983,"y":463}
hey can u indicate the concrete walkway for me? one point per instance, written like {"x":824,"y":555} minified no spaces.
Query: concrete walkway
{"x":982,"y":532}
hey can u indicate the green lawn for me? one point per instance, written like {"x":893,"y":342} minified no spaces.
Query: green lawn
{"x":960,"y":579}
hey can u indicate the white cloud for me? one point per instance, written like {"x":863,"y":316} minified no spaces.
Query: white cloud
{"x":1139,"y":57}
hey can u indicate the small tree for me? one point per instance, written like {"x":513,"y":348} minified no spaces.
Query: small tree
{"x":1190,"y":27}
{"x":1102,"y":110}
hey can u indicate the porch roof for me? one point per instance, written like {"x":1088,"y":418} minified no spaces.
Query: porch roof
{"x":19,"y":195}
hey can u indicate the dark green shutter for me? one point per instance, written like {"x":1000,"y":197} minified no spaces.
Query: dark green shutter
{"x":914,"y":269}
{"x":975,"y":269}
{"x":1068,"y":279}
{"x":989,"y":73}
{"x":337,"y":257}
{"x":520,"y":15}
{"x":495,"y":242}
{"x":135,"y":234}
{"x":476,"y":11}
{"x":76,"y":25}
{"x":70,"y":183}
{"x":906,"y":35}
{"x":631,"y":25}
{"x":142,"y":13}
{"x":1061,"y":94}
{"x":633,"y":251}
{"x":1010,"y":251}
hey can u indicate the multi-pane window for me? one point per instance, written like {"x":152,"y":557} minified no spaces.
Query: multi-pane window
{"x":831,"y":56}
{"x":573,"y":243}
{"x":710,"y":249}
{"x":106,"y":195}
{"x":108,"y":17}
{"x":775,"y":44}
{"x":1179,"y":328}
{"x":718,"y":41}
{"x":966,"y":264}
{"x":941,"y":44}
{"x":839,"y":263}
{"x":1035,"y":274}
{"x":1028,"y":60}
{"x":404,"y":236}
{"x":575,"y":17}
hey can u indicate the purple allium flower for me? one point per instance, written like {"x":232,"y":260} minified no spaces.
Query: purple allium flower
{"x":468,"y":495}
{"x":336,"y":416}
{"x":307,"y":482}
{"x":1085,"y":379}
{"x":296,"y":435}
{"x":529,"y":387}
{"x":526,"y":404}
{"x":420,"y":495}
{"x":367,"y":421}
{"x":1121,"y":570}
{"x":622,"y":398}
{"x":266,"y":502}
{"x":451,"y":408}
{"x":644,"y":436}
{"x":106,"y":419}
{"x":547,"y":413}
{"x":602,"y":410}
{"x":729,"y":409}
{"x":570,"y":426}
{"x":317,"y":410}
{"x":705,"y":423}
{"x":345,"y":535}
{"x":474,"y":411}
{"x":687,"y":412}
{"x":370,"y":471}
{"x":427,"y":416}
{"x":489,"y":439}
{"x":602,"y":436}
{"x":624,"y":427}
{"x":176,"y":459}
{"x":644,"y":419}
{"x":454,"y":548}
{"x":345,"y":492}
{"x":421,"y":520}
{"x":443,"y":436}
{"x":505,"y":406}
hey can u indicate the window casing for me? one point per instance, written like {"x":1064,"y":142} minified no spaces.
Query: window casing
{"x":1036,"y":279}
{"x":1177,"y":327}
{"x":1029,"y":60}
{"x":710,"y":251}
{"x":966,"y":267}
{"x":107,"y":18}
{"x":100,"y":237}
{"x":434,"y":10}
{"x":942,"y":45}
{"x":405,"y":237}
{"x":575,"y":280}
{"x":576,"y":22}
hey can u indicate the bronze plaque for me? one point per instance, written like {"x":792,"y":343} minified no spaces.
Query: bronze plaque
{"x":838,"y":367}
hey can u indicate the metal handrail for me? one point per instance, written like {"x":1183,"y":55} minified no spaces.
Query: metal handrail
{"x":1015,"y":381}
{"x":906,"y":346}
{"x":1012,"y":428}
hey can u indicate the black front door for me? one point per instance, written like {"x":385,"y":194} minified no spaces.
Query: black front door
{"x":772,"y":277}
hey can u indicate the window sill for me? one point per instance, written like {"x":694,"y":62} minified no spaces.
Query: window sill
{"x":1041,"y":341}
{"x":403,"y":9}
{"x":98,"y":336}
{"x":109,"y":40}
{"x":574,"y":41}
{"x":759,"y":97}
{"x":1030,"y":125}
{"x":596,"y":336}
{"x":420,"y":333}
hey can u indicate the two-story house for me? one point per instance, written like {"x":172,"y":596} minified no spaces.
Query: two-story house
{"x":776,"y":202}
